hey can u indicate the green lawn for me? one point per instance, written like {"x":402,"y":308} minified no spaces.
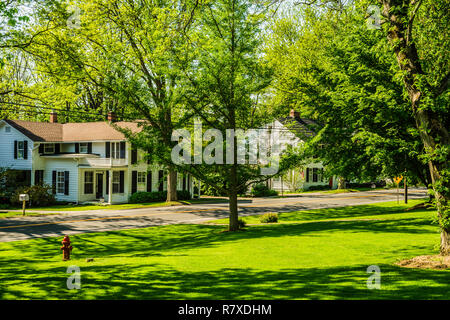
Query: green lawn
{"x":310,"y":257}
{"x":6,"y":214}
{"x":65,"y":207}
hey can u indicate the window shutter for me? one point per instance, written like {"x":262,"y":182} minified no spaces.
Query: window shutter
{"x":107,"y":150}
{"x":133,"y":182}
{"x":38,"y":175}
{"x":189,"y":181}
{"x":57,"y":148}
{"x":25,"y":149}
{"x":66,"y":183}
{"x":15,"y":149}
{"x":107,"y":181}
{"x":54,"y":182}
{"x":89,"y":147}
{"x":122,"y":182}
{"x":133,"y":156}
{"x":122,"y":150}
{"x":307,"y":174}
{"x":149,"y":181}
{"x":160,"y":180}
{"x":184,"y":182}
{"x":77,"y":148}
{"x":41,"y":148}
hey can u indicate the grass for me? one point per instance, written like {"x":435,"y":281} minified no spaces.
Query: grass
{"x":7,"y":214}
{"x":383,"y":210}
{"x":309,"y":257}
{"x":124,"y":206}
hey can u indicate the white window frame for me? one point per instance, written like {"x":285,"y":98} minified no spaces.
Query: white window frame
{"x":90,"y":181}
{"x":115,"y":150}
{"x":84,"y":147}
{"x":116,"y":182}
{"x":60,"y":182}
{"x":141,"y":178}
{"x":7,"y":129}
{"x":46,"y":145}
{"x":20,"y":149}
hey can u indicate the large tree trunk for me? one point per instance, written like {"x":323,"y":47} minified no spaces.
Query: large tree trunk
{"x":432,"y":130}
{"x":172,"y":185}
{"x":234,"y":223}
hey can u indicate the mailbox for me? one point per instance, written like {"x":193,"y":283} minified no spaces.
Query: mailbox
{"x":24,"y":197}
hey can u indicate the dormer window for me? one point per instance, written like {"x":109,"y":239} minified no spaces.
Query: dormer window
{"x":49,"y":148}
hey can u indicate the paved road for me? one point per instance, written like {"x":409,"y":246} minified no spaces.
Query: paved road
{"x":20,"y":228}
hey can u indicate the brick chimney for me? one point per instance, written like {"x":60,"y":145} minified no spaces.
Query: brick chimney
{"x":294,"y":114}
{"x":53,"y":117}
{"x":112,"y":116}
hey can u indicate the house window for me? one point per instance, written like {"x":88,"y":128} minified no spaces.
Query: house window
{"x":116,"y":182}
{"x":88,"y":182}
{"x":20,"y":149}
{"x":49,"y":148}
{"x":83,"y":148}
{"x":141,"y":177}
{"x":315,"y":174}
{"x":115,"y":150}
{"x":60,"y":182}
{"x":8,"y":129}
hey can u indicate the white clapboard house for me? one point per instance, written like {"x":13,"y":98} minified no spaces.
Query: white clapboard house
{"x":294,"y":130}
{"x":83,"y":162}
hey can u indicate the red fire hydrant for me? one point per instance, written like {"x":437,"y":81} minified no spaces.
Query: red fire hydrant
{"x":66,"y":248}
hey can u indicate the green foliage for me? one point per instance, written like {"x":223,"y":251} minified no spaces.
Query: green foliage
{"x":40,"y":196}
{"x":325,"y":187}
{"x":269,"y":218}
{"x":261,"y":190}
{"x":350,"y":86}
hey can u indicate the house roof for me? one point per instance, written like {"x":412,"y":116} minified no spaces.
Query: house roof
{"x":301,"y":127}
{"x":72,"y":132}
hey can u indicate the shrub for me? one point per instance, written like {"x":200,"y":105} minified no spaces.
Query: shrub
{"x":39,"y":195}
{"x":269,"y":218}
{"x":183,"y":195}
{"x":241,"y":223}
{"x":156,"y":196}
{"x":261,"y":190}
{"x":325,"y":187}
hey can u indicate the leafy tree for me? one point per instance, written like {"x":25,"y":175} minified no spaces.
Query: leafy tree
{"x":417,"y":31}
{"x":122,"y":56}
{"x":355,"y":87}
{"x":222,"y":88}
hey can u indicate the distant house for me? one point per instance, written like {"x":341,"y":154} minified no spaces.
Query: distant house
{"x":83,"y":162}
{"x":294,"y":130}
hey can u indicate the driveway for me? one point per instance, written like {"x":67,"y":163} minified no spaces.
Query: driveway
{"x":20,"y":228}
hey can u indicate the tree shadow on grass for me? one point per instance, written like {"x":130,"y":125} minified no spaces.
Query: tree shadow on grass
{"x":162,"y":239}
{"x":346,"y":212}
{"x":164,"y":282}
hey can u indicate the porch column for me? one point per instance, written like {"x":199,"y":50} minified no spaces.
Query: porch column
{"x":110,"y":186}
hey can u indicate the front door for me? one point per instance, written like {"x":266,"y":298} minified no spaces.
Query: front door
{"x":99,"y":187}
